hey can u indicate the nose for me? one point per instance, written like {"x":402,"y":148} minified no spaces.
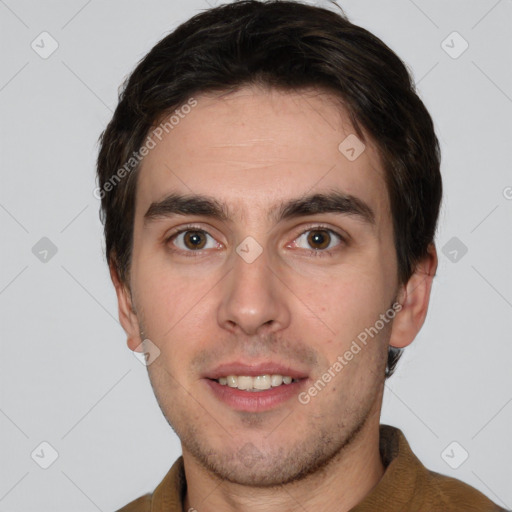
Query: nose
{"x":254,"y":299}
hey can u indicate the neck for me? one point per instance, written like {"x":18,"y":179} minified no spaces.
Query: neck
{"x":340,"y":485}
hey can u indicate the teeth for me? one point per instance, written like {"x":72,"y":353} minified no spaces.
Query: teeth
{"x":245,"y":383}
{"x":276,"y":380}
{"x":259,"y":383}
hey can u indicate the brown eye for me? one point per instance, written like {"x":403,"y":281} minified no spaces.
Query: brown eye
{"x":319,"y":239}
{"x":194,"y":239}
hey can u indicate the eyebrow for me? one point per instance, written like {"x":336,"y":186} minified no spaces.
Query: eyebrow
{"x":201,"y":205}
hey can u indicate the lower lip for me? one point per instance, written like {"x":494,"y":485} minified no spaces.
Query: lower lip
{"x":255,"y":401}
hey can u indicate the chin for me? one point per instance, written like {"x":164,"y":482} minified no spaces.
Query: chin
{"x":270,"y":467}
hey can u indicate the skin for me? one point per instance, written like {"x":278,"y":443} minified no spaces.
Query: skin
{"x":251,"y":150}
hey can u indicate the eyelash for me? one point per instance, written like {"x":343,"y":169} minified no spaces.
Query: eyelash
{"x":313,"y":252}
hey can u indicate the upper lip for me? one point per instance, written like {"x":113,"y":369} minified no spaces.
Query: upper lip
{"x":255,"y":369}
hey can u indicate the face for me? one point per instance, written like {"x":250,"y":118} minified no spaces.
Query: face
{"x":279,"y":259}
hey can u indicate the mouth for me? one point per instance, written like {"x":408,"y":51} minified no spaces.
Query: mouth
{"x":256,"y":387}
{"x":255,"y":384}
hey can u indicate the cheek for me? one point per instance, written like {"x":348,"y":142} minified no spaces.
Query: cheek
{"x":175,"y":309}
{"x":161,"y":297}
{"x":343,"y":301}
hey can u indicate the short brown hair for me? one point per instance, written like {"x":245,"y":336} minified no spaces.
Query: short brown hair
{"x":290,"y":46}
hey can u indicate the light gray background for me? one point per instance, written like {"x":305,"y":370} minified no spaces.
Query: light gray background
{"x":67,"y":377}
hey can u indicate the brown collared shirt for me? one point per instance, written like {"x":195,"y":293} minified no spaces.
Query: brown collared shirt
{"x":406,"y":486}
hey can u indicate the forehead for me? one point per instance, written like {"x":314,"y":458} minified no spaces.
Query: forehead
{"x":255,"y":148}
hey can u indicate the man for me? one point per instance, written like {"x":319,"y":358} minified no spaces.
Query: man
{"x":270,"y":188}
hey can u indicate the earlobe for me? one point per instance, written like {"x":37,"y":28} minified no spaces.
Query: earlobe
{"x":126,"y":310}
{"x":414,"y":297}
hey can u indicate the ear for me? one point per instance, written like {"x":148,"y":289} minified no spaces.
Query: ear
{"x":414,"y":298}
{"x":127,"y":313}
